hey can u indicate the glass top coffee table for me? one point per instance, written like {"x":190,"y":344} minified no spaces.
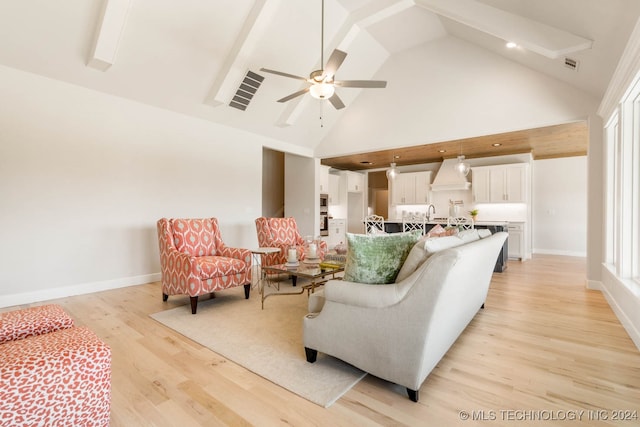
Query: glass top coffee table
{"x":316,"y":273}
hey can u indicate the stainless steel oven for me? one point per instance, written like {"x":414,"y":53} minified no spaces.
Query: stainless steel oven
{"x":324,"y":214}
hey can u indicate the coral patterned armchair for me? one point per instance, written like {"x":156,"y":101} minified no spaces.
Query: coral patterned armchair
{"x":195,"y":261}
{"x":282,"y":233}
{"x":52,"y":373}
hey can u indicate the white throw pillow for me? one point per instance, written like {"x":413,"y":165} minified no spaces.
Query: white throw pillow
{"x":433,"y":245}
{"x":469,"y":235}
{"x":484,"y":232}
{"x":416,"y":256}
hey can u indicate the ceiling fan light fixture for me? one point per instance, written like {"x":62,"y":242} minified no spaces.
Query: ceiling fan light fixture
{"x":322,"y":90}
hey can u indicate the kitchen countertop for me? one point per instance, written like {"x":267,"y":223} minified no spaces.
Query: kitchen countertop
{"x":444,"y":222}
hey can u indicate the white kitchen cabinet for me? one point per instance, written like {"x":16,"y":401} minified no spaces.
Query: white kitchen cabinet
{"x":337,"y":230}
{"x":515,"y":183}
{"x":516,"y":240}
{"x":500,"y":184}
{"x":355,"y":182}
{"x":422,"y":188}
{"x":334,"y":190}
{"x":403,"y":189}
{"x":481,"y":184}
{"x":412,"y":188}
{"x":324,"y":179}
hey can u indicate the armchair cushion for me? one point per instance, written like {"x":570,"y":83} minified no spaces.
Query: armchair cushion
{"x":284,"y":231}
{"x":194,"y":236}
{"x":377,"y":258}
{"x":217,"y":266}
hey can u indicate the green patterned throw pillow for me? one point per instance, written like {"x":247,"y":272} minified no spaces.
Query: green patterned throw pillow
{"x":376,"y":258}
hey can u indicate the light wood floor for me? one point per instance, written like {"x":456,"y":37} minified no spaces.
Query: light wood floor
{"x":544,"y":346}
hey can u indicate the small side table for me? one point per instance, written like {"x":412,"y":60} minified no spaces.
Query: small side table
{"x":257,"y":262}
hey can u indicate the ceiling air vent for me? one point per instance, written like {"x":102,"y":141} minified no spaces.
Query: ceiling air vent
{"x":571,"y":63}
{"x":247,"y":89}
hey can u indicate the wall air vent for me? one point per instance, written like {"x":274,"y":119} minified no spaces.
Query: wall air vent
{"x":571,"y":63}
{"x":247,"y":89}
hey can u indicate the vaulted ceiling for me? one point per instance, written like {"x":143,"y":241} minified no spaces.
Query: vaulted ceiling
{"x":191,"y":56}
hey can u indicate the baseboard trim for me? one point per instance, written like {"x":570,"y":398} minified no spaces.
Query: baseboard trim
{"x":595,"y":285}
{"x":80,"y":289}
{"x":611,"y":287}
{"x":559,"y":252}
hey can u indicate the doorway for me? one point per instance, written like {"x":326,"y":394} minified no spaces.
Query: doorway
{"x":378,"y":194}
{"x":272,"y":183}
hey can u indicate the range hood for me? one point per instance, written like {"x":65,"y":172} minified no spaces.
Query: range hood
{"x":448,"y":179}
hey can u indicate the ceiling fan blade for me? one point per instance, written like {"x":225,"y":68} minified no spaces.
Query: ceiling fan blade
{"x":280,"y":73}
{"x":361,"y":83}
{"x":336,"y":102}
{"x":334,"y":62}
{"x":294,"y":95}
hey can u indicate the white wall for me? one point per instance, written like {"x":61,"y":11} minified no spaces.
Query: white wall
{"x":559,"y":203}
{"x":302,"y":193}
{"x":85,"y":176}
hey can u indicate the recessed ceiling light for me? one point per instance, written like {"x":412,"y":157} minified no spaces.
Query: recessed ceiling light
{"x":364,"y":162}
{"x":511,"y":45}
{"x":396,"y":157}
{"x":497,"y":144}
{"x":442,"y":151}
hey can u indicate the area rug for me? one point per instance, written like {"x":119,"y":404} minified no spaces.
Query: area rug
{"x":267,"y":342}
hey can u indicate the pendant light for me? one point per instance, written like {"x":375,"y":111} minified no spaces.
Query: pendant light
{"x":462,"y":167}
{"x":392,"y":172}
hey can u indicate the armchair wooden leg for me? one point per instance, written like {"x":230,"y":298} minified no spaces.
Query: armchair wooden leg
{"x":247,"y":289}
{"x":194,"y":304}
{"x":414,"y":395}
{"x":311,"y":354}
{"x":165,"y":297}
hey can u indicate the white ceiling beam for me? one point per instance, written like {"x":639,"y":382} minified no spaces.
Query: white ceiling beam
{"x":235,"y":65}
{"x":532,"y":35}
{"x":107,"y":37}
{"x":367,"y":15}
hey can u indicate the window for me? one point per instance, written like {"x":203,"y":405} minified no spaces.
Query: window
{"x":622,"y":148}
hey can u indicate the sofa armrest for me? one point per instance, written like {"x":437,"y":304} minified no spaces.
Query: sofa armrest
{"x":20,"y":324}
{"x":60,"y":378}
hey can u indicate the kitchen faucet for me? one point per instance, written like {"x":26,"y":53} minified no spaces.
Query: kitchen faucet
{"x":429,"y":212}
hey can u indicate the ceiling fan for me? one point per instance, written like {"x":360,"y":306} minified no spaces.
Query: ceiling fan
{"x":322,"y":83}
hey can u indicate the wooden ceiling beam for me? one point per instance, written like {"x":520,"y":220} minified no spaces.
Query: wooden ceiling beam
{"x":565,"y":140}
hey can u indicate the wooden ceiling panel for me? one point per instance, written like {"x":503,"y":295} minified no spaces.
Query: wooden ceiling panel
{"x":566,"y":140}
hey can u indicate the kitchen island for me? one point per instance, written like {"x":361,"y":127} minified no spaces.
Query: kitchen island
{"x":395,"y":226}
